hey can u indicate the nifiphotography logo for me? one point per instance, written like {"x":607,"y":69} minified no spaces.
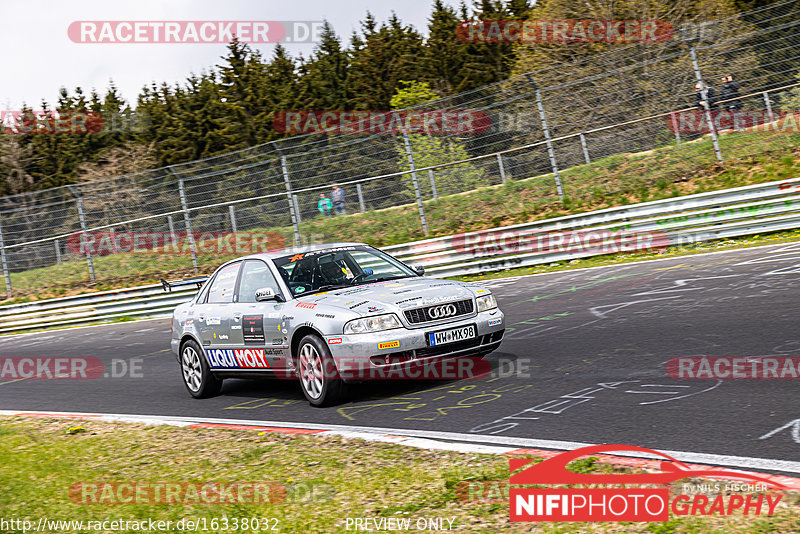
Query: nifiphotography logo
{"x":651,"y":504}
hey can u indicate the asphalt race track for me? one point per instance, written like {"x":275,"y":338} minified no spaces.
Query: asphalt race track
{"x":583,"y":360}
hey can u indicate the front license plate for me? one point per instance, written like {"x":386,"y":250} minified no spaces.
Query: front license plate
{"x":452,"y":335}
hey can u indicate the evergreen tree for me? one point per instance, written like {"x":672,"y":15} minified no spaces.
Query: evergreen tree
{"x":443,"y":64}
{"x":389,"y":54}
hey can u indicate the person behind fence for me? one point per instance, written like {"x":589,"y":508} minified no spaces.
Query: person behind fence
{"x":704,"y":97}
{"x":730,"y":93}
{"x":324,"y":205}
{"x":337,"y":195}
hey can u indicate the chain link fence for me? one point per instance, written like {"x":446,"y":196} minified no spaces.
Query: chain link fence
{"x":560,"y":130}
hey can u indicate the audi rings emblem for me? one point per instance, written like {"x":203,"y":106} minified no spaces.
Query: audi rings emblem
{"x":440,"y":312}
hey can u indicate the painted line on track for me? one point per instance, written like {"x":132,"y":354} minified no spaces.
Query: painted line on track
{"x":447,"y":441}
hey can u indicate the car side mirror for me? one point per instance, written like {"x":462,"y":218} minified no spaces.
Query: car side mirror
{"x":419,"y":269}
{"x":266,"y":293}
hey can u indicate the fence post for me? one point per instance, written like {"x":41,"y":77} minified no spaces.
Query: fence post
{"x":287,"y":182}
{"x":58,"y":252}
{"x":82,"y":217}
{"x":4,"y":263}
{"x":550,"y":152}
{"x":502,"y":169}
{"x":187,"y":219}
{"x":768,"y":103}
{"x":585,"y":149}
{"x":360,"y":198}
{"x":675,"y":127}
{"x":704,"y":93}
{"x":416,"y":182}
{"x":232,"y":214}
{"x":296,"y":201}
{"x":432,"y":178}
{"x":173,"y":238}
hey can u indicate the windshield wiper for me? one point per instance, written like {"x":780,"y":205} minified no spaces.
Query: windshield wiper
{"x":326,"y":288}
{"x":386,"y":279}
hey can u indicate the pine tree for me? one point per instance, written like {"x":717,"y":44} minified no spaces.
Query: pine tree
{"x":443,"y":64}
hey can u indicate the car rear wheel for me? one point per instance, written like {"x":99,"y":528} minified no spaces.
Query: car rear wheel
{"x":196,"y":374}
{"x":319,"y":378}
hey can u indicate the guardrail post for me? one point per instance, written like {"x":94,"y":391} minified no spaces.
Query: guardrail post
{"x":704,"y":93}
{"x":232,"y":215}
{"x":585,"y":149}
{"x":416,"y":182}
{"x":432,"y":178}
{"x":360,"y":198}
{"x":58,"y":252}
{"x":187,"y":219}
{"x":82,"y":218}
{"x":768,"y":103}
{"x":550,"y":152}
{"x":4,"y":263}
{"x":502,"y":169}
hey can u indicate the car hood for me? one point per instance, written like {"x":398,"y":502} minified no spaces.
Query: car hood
{"x":395,"y":295}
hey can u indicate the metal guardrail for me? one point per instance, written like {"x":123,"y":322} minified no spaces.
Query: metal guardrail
{"x":137,"y":302}
{"x":696,"y":218}
{"x":741,"y":211}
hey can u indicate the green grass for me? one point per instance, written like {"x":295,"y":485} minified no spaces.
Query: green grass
{"x":326,"y":479}
{"x":612,"y":181}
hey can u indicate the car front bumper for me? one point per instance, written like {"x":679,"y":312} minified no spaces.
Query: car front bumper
{"x":402,"y":352}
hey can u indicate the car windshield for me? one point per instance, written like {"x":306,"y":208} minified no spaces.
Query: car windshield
{"x":318,"y":270}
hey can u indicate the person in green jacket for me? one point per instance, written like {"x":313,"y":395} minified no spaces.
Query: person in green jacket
{"x":324,"y":205}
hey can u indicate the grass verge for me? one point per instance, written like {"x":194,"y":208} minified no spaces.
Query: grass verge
{"x":327,"y":480}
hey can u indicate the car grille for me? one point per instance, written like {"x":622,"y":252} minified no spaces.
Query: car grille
{"x":423,"y":315}
{"x":440,"y":350}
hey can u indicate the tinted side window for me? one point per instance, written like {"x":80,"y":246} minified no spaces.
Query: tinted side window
{"x":221,"y":289}
{"x":255,"y":275}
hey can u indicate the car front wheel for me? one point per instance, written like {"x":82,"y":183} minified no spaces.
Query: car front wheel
{"x":196,"y":374}
{"x":319,"y":378}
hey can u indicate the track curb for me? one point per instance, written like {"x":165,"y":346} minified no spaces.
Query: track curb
{"x":792,"y":483}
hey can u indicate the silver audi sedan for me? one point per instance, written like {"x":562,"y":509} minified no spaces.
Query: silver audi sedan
{"x":330,"y":315}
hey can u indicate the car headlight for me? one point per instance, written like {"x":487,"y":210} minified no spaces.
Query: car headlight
{"x":486,"y":302}
{"x":372,"y":324}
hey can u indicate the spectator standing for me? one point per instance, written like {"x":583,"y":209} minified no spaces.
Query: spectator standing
{"x":730,"y":92}
{"x":704,"y":97}
{"x":338,"y":200}
{"x":324,"y":205}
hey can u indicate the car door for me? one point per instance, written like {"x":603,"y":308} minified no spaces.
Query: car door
{"x":213,"y":316}
{"x":257,"y":325}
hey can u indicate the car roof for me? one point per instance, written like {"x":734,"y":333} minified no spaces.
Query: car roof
{"x":272,"y":254}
